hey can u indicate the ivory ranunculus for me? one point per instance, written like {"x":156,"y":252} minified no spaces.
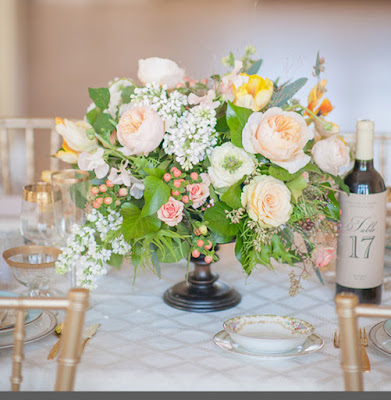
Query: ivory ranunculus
{"x":331,"y":154}
{"x":140,"y":130}
{"x":229,"y":164}
{"x":254,"y":94}
{"x":161,"y":71}
{"x":199,"y":192}
{"x":267,"y":200}
{"x":279,"y":136}
{"x":75,"y":139}
{"x":172,"y":212}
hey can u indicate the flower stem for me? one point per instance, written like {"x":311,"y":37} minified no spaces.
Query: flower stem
{"x":327,"y":125}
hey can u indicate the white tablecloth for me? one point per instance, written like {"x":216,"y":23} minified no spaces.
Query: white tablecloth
{"x":145,"y":345}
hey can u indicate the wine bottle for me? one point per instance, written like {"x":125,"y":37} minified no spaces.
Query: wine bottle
{"x":361,"y":239}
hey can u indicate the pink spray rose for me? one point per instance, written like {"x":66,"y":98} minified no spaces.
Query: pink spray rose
{"x":172,"y":212}
{"x":199,"y":192}
{"x":323,"y":255}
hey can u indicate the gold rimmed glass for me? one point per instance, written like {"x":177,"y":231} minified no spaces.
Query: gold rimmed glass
{"x":72,"y":188}
{"x":33,"y":267}
{"x":37,"y":224}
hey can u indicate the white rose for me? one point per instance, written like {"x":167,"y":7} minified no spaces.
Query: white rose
{"x":267,"y":200}
{"x":331,"y":154}
{"x":229,"y":164}
{"x":140,"y":130}
{"x":279,"y":136}
{"x":160,"y":70}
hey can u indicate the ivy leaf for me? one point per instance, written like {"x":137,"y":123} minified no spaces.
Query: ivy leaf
{"x":156,"y":193}
{"x":286,"y":92}
{"x":296,"y":186}
{"x":135,"y":225}
{"x":232,"y":197}
{"x":93,"y":115}
{"x":255,"y":67}
{"x":103,"y":125}
{"x":236,"y":119}
{"x":101,"y":97}
{"x":126,"y":93}
{"x":156,"y":172}
{"x":221,"y":226}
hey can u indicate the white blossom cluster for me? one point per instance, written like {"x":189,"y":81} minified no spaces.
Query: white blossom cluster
{"x":169,"y":107}
{"x":193,"y":138}
{"x":85,"y":254}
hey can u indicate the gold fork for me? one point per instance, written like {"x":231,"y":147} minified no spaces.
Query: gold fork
{"x":364,"y":343}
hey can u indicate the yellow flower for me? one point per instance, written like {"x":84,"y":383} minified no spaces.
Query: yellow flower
{"x":67,"y":155}
{"x":254,"y":94}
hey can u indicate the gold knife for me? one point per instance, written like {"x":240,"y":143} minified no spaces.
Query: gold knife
{"x":88,"y":334}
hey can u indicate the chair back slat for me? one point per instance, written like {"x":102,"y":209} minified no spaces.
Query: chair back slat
{"x":18,"y":356}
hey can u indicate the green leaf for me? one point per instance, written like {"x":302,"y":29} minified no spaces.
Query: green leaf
{"x":126,"y":93}
{"x":156,"y":172}
{"x":232,"y":197}
{"x":103,"y":124}
{"x":115,"y":260}
{"x":296,"y":186}
{"x":221,"y":226}
{"x":317,"y":65}
{"x":101,"y":97}
{"x":221,"y":125}
{"x":135,"y":225}
{"x":281,"y":96}
{"x":339,"y":181}
{"x":239,"y":249}
{"x":253,"y":70}
{"x":319,"y":275}
{"x":282,"y":174}
{"x":178,"y":251}
{"x":93,"y":115}
{"x":156,"y":193}
{"x":280,"y":253}
{"x":236,"y":119}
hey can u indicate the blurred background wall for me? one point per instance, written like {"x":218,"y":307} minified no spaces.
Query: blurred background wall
{"x":53,"y":50}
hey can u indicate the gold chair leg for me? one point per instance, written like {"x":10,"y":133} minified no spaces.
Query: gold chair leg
{"x":17,"y":356}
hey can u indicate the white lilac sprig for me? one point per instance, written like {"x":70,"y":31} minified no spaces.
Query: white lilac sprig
{"x":193,"y":138}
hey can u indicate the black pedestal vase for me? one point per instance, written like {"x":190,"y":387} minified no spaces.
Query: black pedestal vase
{"x":203,"y":291}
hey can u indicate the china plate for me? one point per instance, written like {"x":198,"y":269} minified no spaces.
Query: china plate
{"x":312,"y":344}
{"x":380,"y":339}
{"x":40,"y":328}
{"x":387,"y":326}
{"x":10,"y":325}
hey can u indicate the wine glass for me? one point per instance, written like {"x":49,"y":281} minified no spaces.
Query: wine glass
{"x":33,"y":267}
{"x":70,"y":192}
{"x":37,"y":224}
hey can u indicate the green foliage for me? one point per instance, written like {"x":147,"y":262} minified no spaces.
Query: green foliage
{"x":255,"y":67}
{"x":232,"y":197}
{"x":282,"y":174}
{"x":103,"y":125}
{"x":126,"y":93}
{"x":296,"y":186}
{"x":135,"y":225}
{"x":101,"y":97}
{"x":156,"y":172}
{"x":156,"y":193}
{"x":286,"y":92}
{"x":115,"y":260}
{"x":236,"y":119}
{"x":222,"y":228}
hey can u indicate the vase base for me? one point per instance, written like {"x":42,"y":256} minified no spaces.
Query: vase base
{"x":188,"y":297}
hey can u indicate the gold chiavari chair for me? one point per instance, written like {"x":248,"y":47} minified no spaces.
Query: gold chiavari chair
{"x":348,"y":311}
{"x":10,"y":126}
{"x":75,"y":306}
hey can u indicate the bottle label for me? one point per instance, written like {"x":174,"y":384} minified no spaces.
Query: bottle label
{"x":361,"y":241}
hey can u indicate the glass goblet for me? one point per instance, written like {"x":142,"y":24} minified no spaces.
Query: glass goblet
{"x":70,"y":192}
{"x":37,"y":224}
{"x":34,"y":267}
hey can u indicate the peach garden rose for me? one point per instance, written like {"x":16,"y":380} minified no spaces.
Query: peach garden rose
{"x":267,"y":201}
{"x":172,"y":212}
{"x":140,"y":130}
{"x":279,"y":136}
{"x":199,"y":192}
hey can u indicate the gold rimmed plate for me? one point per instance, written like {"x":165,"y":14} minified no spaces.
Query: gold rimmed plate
{"x":380,"y":338}
{"x":311,"y":345}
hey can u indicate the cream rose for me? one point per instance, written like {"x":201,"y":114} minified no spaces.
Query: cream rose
{"x":331,"y":154}
{"x":160,"y":70}
{"x":172,"y":212}
{"x":279,"y":136}
{"x":140,"y":130}
{"x":267,"y":200}
{"x":229,"y":164}
{"x":199,"y":192}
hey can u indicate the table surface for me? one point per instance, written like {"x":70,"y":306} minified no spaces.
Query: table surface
{"x":145,"y":345}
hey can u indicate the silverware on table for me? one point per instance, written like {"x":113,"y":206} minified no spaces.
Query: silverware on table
{"x":88,"y":334}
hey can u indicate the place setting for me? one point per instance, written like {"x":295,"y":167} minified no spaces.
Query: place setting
{"x":268,"y":336}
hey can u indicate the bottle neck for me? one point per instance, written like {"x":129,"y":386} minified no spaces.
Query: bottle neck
{"x":363,"y":165}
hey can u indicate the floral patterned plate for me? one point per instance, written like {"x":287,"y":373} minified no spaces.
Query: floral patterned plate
{"x":312,"y":344}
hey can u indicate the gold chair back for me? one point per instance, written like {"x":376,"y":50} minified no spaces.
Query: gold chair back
{"x":75,"y":306}
{"x":29,"y":126}
{"x":348,"y":311}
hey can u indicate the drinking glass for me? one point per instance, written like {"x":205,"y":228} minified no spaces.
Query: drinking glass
{"x":37,"y":224}
{"x":33,"y":267}
{"x":70,"y":191}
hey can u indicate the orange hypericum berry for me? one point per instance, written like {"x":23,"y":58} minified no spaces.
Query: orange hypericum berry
{"x":195,"y":253}
{"x":177,"y":173}
{"x":167,"y":177}
{"x":208,"y":259}
{"x":108,"y":200}
{"x":194,"y":176}
{"x":103,"y":188}
{"x":200,"y":243}
{"x":123,"y":192}
{"x":175,"y":193}
{"x":94,"y":190}
{"x":109,"y":184}
{"x":185,"y":199}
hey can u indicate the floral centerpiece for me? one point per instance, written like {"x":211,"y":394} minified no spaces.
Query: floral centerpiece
{"x":178,"y":166}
